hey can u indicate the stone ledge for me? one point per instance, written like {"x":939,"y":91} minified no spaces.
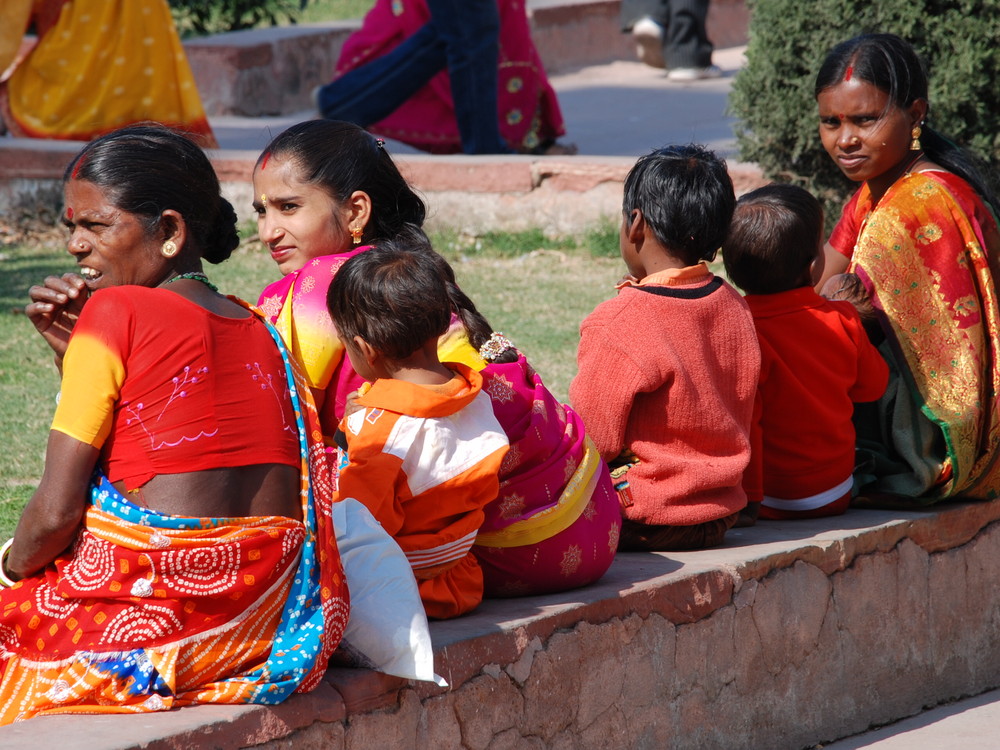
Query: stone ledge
{"x":473,"y":194}
{"x":265,"y":71}
{"x":830,"y":625}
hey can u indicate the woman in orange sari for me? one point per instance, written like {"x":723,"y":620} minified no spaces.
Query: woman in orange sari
{"x":921,"y":238}
{"x":179,"y":548}
{"x":98,"y":65}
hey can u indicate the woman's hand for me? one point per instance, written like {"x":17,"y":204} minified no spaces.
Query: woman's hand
{"x":54,"y":308}
{"x":351,"y":404}
{"x":832,"y":264}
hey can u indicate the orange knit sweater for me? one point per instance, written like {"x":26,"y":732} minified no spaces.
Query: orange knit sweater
{"x":670,"y":372}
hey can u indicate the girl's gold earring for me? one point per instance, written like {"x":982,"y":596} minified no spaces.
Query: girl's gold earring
{"x":915,"y":135}
{"x":356,"y":233}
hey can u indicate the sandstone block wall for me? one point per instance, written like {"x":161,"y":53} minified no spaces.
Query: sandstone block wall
{"x":785,"y":650}
{"x":793,"y":634}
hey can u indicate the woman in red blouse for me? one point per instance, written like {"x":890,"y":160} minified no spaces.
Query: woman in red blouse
{"x":180,"y":535}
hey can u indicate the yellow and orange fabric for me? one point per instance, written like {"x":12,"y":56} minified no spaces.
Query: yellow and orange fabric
{"x":98,"y":65}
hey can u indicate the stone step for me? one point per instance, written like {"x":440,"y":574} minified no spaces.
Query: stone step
{"x":791,"y":635}
{"x":614,"y":112}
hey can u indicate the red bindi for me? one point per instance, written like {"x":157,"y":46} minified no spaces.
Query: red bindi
{"x":263,"y":163}
{"x":69,"y":212}
{"x":849,"y":73}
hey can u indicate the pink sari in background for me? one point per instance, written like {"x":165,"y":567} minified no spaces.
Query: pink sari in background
{"x":555,"y":524}
{"x":529,"y":112}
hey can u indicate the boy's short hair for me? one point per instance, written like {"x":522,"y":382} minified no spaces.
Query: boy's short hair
{"x":774,"y":238}
{"x":392,"y":296}
{"x":686,"y":197}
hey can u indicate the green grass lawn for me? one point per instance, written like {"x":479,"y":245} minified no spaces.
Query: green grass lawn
{"x":533,"y":289}
{"x":334,"y":10}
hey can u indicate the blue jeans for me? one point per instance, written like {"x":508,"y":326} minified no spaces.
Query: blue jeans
{"x":462,"y":36}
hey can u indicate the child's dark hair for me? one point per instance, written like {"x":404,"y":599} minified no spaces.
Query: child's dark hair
{"x":341,"y":157}
{"x":892,"y":65}
{"x":686,"y":196}
{"x":776,"y":233}
{"x":392,"y":296}
{"x":477,"y":327}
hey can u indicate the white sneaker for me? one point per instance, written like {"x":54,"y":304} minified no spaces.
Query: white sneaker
{"x":694,"y":74}
{"x":648,"y":37}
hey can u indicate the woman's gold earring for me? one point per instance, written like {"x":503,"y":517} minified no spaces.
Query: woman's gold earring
{"x":915,"y":134}
{"x":169,"y":249}
{"x":356,"y":233}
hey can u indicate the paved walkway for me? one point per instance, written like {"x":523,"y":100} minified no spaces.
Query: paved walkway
{"x":647,"y":109}
{"x":971,"y":724}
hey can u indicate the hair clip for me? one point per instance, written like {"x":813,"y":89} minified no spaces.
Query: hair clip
{"x":496,"y":345}
{"x":380,"y":143}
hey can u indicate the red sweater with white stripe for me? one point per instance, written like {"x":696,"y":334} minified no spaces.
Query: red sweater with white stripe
{"x":425,"y":460}
{"x":817,"y":362}
{"x":669,"y":371}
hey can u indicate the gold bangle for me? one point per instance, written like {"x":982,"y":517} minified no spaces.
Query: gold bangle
{"x":5,"y":580}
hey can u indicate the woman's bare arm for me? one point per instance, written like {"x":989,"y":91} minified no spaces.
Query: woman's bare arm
{"x":51,"y":519}
{"x":834,"y":263}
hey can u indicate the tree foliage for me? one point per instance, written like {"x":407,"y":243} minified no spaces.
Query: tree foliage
{"x":773,"y":100}
{"x":200,"y":17}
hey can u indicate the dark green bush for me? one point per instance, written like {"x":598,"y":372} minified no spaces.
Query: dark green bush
{"x":772,"y":98}
{"x":200,"y":17}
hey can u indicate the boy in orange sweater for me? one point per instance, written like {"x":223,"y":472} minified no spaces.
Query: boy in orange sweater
{"x":423,"y":446}
{"x":816,"y":360}
{"x":668,"y":368}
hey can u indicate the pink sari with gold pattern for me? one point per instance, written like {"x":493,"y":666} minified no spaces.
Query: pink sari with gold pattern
{"x":555,"y":524}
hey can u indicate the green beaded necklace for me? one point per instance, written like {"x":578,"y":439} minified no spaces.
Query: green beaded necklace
{"x":196,"y":276}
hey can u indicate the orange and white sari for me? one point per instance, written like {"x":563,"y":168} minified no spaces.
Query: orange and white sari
{"x":149,"y":611}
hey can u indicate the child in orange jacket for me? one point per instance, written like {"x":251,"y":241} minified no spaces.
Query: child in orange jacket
{"x":423,"y":446}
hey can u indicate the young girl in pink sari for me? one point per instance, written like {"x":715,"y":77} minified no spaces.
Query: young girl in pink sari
{"x":325,"y":191}
{"x":322,"y":192}
{"x":555,"y":524}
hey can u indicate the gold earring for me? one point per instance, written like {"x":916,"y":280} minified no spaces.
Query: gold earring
{"x":169,"y":249}
{"x":915,"y":135}
{"x":356,"y":233}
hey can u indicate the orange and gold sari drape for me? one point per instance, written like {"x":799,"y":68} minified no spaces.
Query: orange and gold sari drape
{"x":928,"y":254}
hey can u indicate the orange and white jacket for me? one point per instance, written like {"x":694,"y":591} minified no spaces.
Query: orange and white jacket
{"x":425,"y":461}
